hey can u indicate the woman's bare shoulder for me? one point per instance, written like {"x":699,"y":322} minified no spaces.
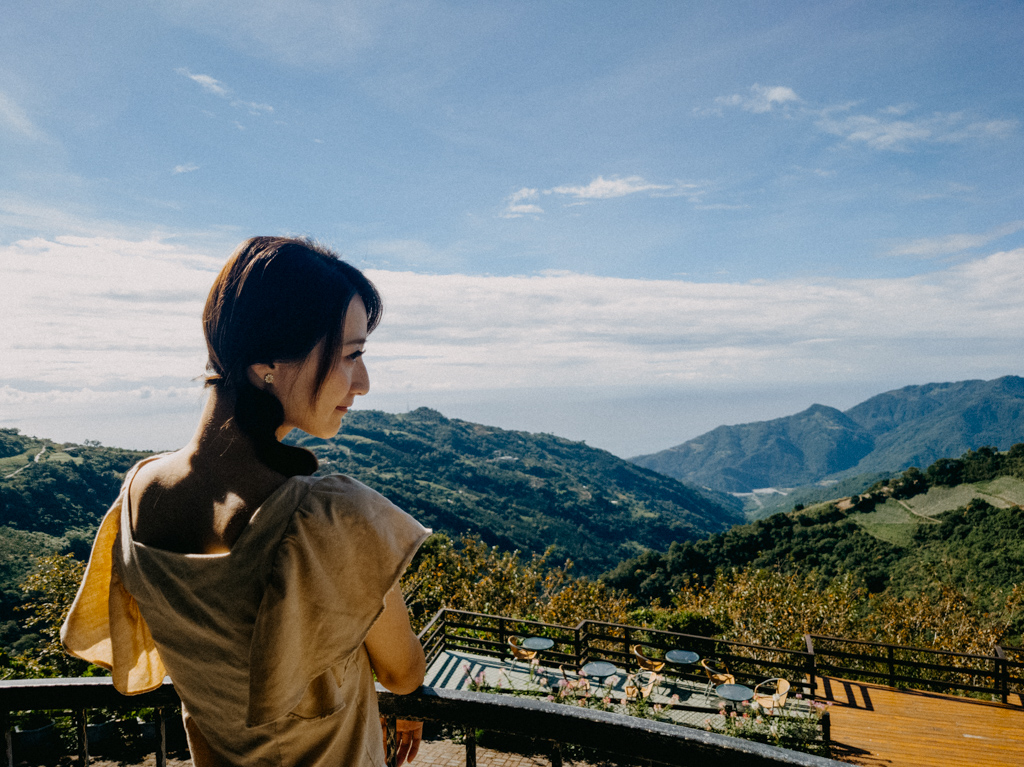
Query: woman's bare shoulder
{"x":185,"y":503}
{"x":155,"y":484}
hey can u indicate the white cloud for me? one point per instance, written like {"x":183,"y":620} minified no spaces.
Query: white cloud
{"x":92,"y":314}
{"x":208,"y":84}
{"x":87,"y":311}
{"x":569,"y":330}
{"x":16,"y":119}
{"x":884,"y":131}
{"x":605,"y":189}
{"x":761,"y":99}
{"x":217,"y":88}
{"x":891,"y":128}
{"x":931,"y":247}
{"x":186,"y":168}
{"x":252,"y":107}
{"x":601,"y":188}
{"x":515,"y":206}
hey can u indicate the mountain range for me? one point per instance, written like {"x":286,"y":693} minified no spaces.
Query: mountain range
{"x":518,"y":490}
{"x":912,"y":426}
{"x":957,"y":524}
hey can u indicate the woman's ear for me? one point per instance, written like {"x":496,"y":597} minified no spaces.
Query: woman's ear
{"x":261,"y":375}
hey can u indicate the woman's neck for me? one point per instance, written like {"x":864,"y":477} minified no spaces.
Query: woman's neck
{"x":217,"y":437}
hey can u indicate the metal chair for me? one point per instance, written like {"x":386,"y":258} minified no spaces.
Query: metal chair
{"x":717,"y":674}
{"x":648,"y":664}
{"x":519,"y":652}
{"x":639,"y":689}
{"x":771,"y":694}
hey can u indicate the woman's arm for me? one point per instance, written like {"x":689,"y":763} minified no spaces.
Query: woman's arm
{"x":395,"y":653}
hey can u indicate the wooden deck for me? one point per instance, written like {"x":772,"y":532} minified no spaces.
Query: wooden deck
{"x":879,"y":726}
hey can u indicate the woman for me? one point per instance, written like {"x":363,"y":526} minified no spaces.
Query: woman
{"x":269,"y":596}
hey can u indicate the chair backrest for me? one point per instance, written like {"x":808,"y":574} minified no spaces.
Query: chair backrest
{"x":781,"y":691}
{"x":714,"y":668}
{"x":637,"y":686}
{"x":644,"y":662}
{"x":776,"y":698}
{"x":518,"y":652}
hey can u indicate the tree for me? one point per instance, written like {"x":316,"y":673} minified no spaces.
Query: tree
{"x":49,"y":592}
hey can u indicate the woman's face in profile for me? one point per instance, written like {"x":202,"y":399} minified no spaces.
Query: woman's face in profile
{"x":295,"y":382}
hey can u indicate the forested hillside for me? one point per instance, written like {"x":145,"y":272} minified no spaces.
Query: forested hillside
{"x":517,"y":490}
{"x":52,"y":496}
{"x":912,"y":426}
{"x":958,"y":524}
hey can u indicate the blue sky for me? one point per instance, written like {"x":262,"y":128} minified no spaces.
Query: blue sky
{"x":619,"y":222}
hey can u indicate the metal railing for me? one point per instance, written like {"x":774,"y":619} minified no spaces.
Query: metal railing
{"x":554,"y":726}
{"x":997,"y":675}
{"x":575,"y":646}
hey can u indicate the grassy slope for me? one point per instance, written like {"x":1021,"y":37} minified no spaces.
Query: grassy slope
{"x":896,"y":521}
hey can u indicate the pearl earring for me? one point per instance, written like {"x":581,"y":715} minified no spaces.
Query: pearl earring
{"x":268,"y":378}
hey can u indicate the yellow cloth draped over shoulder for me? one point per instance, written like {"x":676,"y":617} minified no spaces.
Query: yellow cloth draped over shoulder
{"x":265,"y":642}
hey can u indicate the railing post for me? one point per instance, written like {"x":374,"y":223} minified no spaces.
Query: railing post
{"x":891,"y":652}
{"x":1002,"y":674}
{"x":627,"y":642}
{"x":812,"y":662}
{"x":470,"y":747}
{"x":584,"y":653}
{"x":391,"y":740}
{"x":502,"y":639}
{"x":5,"y":724}
{"x":161,"y":738}
{"x":577,"y":647}
{"x":83,"y":737}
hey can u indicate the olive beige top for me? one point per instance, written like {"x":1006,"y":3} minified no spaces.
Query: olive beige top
{"x":264,"y":643}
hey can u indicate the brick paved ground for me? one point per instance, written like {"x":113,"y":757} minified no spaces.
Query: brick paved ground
{"x":436,"y":753}
{"x":445,"y":753}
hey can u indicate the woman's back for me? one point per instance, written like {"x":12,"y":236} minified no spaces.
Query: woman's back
{"x":264,"y":641}
{"x":191,"y":504}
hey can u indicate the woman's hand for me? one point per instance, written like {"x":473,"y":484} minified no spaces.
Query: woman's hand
{"x":409,"y":736}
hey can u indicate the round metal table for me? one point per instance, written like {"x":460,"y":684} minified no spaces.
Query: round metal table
{"x":734,"y":693}
{"x":682,"y":657}
{"x":537,"y":643}
{"x":601,"y":669}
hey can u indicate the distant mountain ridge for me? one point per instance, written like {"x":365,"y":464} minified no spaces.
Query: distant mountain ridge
{"x":515,"y":490}
{"x":518,"y":490}
{"x":912,"y":426}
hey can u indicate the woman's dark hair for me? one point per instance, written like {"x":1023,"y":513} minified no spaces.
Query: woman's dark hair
{"x":275,"y":299}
